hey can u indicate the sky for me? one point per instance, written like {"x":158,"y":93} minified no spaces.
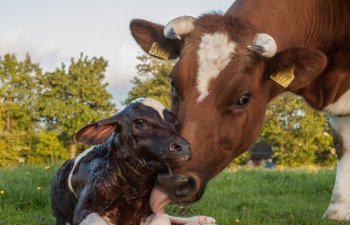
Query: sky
{"x":53,"y":32}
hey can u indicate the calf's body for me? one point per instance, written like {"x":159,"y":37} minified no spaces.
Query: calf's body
{"x":111,"y":182}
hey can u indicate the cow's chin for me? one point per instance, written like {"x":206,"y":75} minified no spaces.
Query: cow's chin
{"x":176,"y":189}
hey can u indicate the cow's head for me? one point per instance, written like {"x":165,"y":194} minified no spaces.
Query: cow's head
{"x":221,"y":86}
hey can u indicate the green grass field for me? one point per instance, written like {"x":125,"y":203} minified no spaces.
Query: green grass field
{"x":247,"y":196}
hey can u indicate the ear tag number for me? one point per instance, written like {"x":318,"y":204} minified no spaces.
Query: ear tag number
{"x":284,"y":77}
{"x":158,"y":51}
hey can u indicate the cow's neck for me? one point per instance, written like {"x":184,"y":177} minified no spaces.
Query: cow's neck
{"x":317,"y":24}
{"x":311,"y":24}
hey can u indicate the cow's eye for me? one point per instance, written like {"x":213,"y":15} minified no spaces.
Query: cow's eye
{"x":244,"y":99}
{"x":139,"y":122}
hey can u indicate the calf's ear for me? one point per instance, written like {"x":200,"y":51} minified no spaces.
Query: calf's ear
{"x":150,"y":35}
{"x":99,"y":132}
{"x":296,"y":67}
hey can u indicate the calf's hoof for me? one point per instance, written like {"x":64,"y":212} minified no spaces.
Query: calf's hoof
{"x":206,"y":220}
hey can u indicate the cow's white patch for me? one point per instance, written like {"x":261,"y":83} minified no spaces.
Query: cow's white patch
{"x":339,"y":208}
{"x":76,"y":160}
{"x":341,"y":106}
{"x":214,"y":53}
{"x":159,"y":107}
{"x":94,"y":219}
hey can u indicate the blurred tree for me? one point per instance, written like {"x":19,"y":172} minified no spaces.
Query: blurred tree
{"x":18,"y":113}
{"x":47,"y":148}
{"x":299,"y":134}
{"x":152,"y":80}
{"x":73,"y":96}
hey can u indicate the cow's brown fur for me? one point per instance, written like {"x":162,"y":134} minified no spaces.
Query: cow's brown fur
{"x":312,"y":35}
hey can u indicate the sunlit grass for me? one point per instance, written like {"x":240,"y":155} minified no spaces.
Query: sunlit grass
{"x":26,"y":195}
{"x":246,"y":196}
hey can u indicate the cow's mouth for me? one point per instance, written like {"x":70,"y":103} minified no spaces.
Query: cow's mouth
{"x":172,"y":188}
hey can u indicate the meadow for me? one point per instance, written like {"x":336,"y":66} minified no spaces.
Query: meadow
{"x":244,"y":196}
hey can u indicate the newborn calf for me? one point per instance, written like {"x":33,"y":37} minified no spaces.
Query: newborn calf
{"x":111,"y":183}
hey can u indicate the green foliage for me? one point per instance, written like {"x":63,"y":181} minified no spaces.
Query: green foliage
{"x":47,"y":148}
{"x":18,"y":92}
{"x":75,"y":96}
{"x":299,"y":135}
{"x":41,"y":111}
{"x":153,"y":80}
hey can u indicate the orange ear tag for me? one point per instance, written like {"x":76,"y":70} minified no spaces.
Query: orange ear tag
{"x":284,"y":77}
{"x":158,"y":51}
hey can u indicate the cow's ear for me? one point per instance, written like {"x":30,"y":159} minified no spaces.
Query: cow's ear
{"x":296,"y":67}
{"x":98,"y":132}
{"x":148,"y":35}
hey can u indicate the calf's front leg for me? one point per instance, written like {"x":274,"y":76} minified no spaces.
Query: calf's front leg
{"x":196,"y":220}
{"x":94,"y":219}
{"x":339,"y":207}
{"x":163,"y":219}
{"x":85,"y":216}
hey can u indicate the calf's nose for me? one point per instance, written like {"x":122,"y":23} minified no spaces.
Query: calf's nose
{"x":181,"y":149}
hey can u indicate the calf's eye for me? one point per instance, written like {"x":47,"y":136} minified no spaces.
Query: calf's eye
{"x":139,"y":122}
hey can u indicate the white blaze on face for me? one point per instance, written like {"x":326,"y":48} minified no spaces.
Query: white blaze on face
{"x":341,"y":106}
{"x":159,"y":107}
{"x":214,"y":54}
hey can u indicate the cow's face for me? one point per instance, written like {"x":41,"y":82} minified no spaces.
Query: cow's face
{"x":221,"y":86}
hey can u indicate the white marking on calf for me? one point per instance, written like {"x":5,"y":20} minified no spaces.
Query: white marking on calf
{"x":341,"y":106}
{"x":339,"y":208}
{"x":159,"y":219}
{"x":164,"y":219}
{"x":94,"y":219}
{"x":192,"y":220}
{"x":214,"y":54}
{"x":76,"y":160}
{"x":108,"y":220}
{"x":159,"y":107}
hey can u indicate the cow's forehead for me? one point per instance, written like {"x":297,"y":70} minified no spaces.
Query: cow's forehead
{"x":157,"y":106}
{"x":214,"y":53}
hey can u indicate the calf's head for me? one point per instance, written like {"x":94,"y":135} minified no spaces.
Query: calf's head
{"x":144,"y":131}
{"x":220,"y":87}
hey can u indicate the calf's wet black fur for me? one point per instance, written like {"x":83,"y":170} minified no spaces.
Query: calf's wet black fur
{"x":112,"y":181}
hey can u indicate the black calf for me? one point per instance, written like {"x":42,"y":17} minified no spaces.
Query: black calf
{"x":111,"y":182}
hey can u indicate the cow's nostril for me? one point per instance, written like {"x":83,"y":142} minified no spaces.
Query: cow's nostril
{"x":187,"y":188}
{"x":175,"y":147}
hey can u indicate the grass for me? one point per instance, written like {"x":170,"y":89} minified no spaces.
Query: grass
{"x":246,"y":197}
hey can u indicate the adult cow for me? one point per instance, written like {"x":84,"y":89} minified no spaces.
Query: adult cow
{"x":230,"y":66}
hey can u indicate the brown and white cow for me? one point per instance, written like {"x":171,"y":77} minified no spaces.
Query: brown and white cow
{"x":226,"y":75}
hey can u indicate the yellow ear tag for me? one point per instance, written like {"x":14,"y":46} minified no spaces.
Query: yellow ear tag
{"x":284,"y":77}
{"x":158,"y":51}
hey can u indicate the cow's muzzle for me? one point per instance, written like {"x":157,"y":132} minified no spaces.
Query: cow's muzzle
{"x":180,"y":188}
